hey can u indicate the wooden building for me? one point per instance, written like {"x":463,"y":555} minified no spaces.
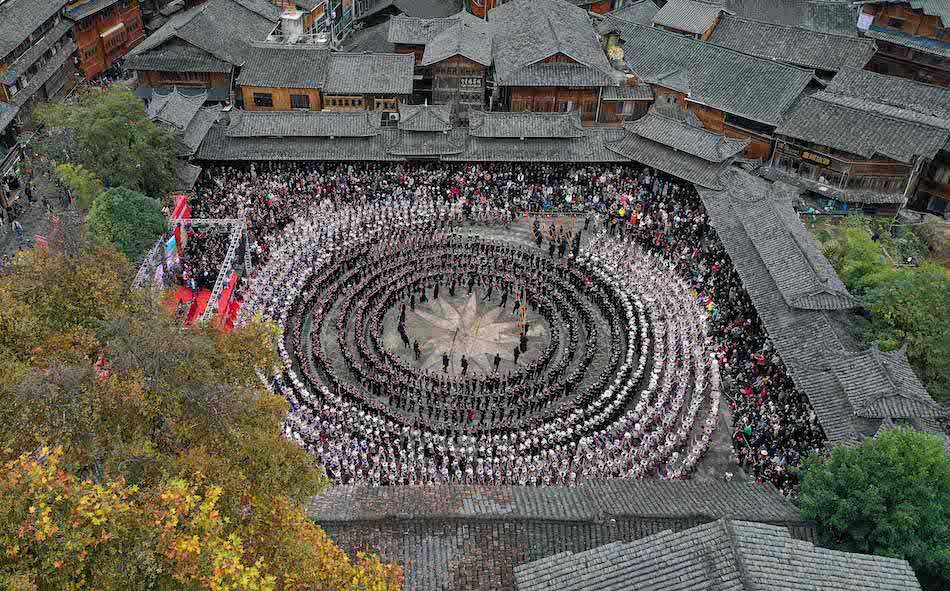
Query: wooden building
{"x":688,"y":17}
{"x":279,"y":77}
{"x":733,"y":94}
{"x":844,"y":144}
{"x":458,"y":59}
{"x":548,"y":58}
{"x":913,"y":38}
{"x":36,"y":51}
{"x":201,"y":49}
{"x":368,"y":82}
{"x":104,"y":30}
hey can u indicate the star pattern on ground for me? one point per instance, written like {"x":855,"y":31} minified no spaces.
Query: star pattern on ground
{"x":464,"y":331}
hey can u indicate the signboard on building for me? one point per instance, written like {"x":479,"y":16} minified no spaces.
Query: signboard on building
{"x":816,"y":158}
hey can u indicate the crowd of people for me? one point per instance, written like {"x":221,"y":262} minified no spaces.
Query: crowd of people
{"x":305,"y":220}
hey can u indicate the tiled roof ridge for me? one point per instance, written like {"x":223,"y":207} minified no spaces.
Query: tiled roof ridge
{"x":734,"y":16}
{"x":729,"y":532}
{"x":895,"y":381}
{"x":852,"y":102}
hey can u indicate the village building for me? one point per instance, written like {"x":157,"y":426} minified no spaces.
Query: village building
{"x":673,"y":140}
{"x":932,"y":191}
{"x":692,"y":18}
{"x":104,"y":30}
{"x":633,"y":12}
{"x":280,"y":77}
{"x":726,"y":553}
{"x":426,"y":132}
{"x":36,"y":50}
{"x":368,"y":82}
{"x":913,"y":38}
{"x":846,"y":146}
{"x":190,"y":121}
{"x":826,"y":53}
{"x":201,"y":49}
{"x":703,"y":78}
{"x":548,"y":58}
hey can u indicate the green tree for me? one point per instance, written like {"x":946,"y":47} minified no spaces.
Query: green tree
{"x":905,"y":305}
{"x":130,"y":220}
{"x":83,"y":183}
{"x":128,"y":439}
{"x":109,"y":133}
{"x":889,"y":496}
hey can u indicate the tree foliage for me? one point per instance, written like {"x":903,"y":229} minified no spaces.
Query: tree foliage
{"x":905,"y":304}
{"x":82,"y":183}
{"x":130,"y":220}
{"x":110,"y":134}
{"x":144,"y":454}
{"x":890,"y":496}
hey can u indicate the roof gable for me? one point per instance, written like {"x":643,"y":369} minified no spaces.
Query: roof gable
{"x":882,"y":385}
{"x":686,"y":134}
{"x":175,"y":109}
{"x":425,"y":117}
{"x":471,"y":40}
{"x":528,"y":31}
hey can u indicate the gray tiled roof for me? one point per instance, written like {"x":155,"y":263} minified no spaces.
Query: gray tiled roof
{"x":369,"y":73}
{"x":528,"y":31}
{"x":724,"y":555}
{"x":668,"y":499}
{"x":525,"y":125}
{"x":680,"y":164}
{"x":690,"y":138}
{"x":186,"y":175}
{"x":891,"y":90}
{"x":190,"y":140}
{"x":589,"y":147}
{"x":881,"y":385}
{"x":792,"y":45}
{"x":222,"y":28}
{"x":864,"y":128}
{"x":45,"y":73}
{"x":466,"y":538}
{"x":8,"y":113}
{"x":691,"y":16}
{"x":826,"y":16}
{"x":425,"y":117}
{"x":176,"y":56}
{"x":284,"y":66}
{"x":758,"y":89}
{"x":429,"y":8}
{"x":639,"y":12}
{"x":31,"y":55}
{"x":640,"y":92}
{"x":19,"y":18}
{"x":804,"y":338}
{"x":406,"y":30}
{"x":916,"y":42}
{"x":469,"y":38}
{"x":88,"y":8}
{"x":428,"y":143}
{"x":558,"y":74}
{"x":175,"y":109}
{"x":295,"y":124}
{"x":218,"y":146}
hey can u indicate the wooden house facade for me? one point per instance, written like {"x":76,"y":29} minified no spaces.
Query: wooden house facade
{"x":913,"y":39}
{"x":104,"y":30}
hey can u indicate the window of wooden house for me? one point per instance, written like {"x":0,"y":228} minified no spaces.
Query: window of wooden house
{"x":385,"y":104}
{"x":300,"y":101}
{"x":895,"y":23}
{"x":263,"y":99}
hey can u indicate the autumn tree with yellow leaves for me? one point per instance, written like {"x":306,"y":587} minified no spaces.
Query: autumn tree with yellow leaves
{"x":139,"y":454}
